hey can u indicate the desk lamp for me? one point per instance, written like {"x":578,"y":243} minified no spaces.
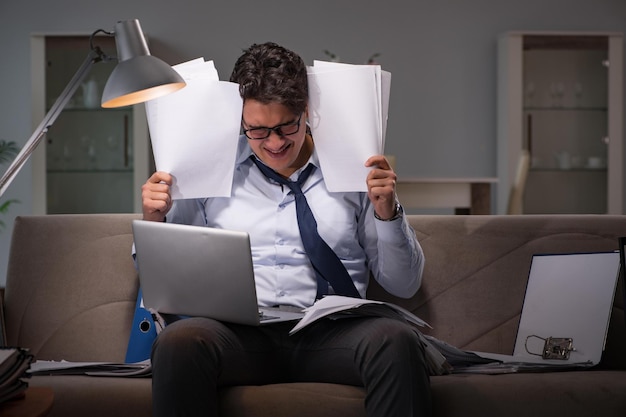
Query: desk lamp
{"x":138,"y":77}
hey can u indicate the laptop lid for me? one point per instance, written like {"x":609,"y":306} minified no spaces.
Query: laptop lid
{"x":198,"y":271}
{"x":567,"y":308}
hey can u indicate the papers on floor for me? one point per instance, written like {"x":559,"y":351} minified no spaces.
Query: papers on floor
{"x":348,"y":108}
{"x":13,"y":365}
{"x":195,"y":131}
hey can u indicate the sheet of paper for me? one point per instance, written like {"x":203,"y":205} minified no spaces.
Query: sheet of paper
{"x":348,"y":107}
{"x":194,"y":132}
{"x":333,"y":304}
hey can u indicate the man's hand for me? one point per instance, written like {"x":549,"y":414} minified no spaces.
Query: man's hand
{"x":155,"y":196}
{"x":381,"y":186}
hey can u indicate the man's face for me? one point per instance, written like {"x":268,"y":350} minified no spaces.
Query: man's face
{"x":283,"y":153}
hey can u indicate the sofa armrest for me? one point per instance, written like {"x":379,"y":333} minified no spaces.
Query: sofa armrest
{"x":3,"y":335}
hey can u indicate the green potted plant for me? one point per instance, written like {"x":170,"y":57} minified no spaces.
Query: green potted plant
{"x":8,"y":150}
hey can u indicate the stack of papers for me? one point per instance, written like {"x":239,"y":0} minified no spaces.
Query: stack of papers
{"x":348,"y":108}
{"x":195,"y":131}
{"x":14,"y":362}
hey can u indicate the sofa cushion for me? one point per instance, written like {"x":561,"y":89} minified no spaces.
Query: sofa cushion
{"x":79,"y":395}
{"x":572,"y":394}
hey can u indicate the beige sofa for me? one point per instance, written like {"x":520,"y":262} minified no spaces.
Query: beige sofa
{"x":71,"y":290}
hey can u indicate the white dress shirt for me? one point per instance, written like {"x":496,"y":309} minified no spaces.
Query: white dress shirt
{"x":266,"y":210}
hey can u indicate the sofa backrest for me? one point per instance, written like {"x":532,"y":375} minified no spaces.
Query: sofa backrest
{"x":71,"y":284}
{"x":477,"y":268}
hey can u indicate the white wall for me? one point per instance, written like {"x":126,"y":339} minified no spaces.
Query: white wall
{"x":441,"y":53}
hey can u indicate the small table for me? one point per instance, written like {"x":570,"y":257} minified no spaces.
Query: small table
{"x":459,"y":193}
{"x":36,"y":402}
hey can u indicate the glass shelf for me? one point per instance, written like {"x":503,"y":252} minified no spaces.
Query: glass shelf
{"x":97,"y":109}
{"x":89,"y":171}
{"x":582,"y":169}
{"x":569,"y":108}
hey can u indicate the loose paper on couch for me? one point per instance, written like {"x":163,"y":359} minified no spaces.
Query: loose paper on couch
{"x":138,"y":369}
{"x":337,"y":306}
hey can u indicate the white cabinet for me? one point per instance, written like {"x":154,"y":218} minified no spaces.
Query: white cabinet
{"x":560,"y":96}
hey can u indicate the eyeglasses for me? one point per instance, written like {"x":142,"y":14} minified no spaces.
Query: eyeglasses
{"x":286,"y":129}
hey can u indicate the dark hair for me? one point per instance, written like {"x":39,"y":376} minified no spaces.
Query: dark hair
{"x":270,"y":73}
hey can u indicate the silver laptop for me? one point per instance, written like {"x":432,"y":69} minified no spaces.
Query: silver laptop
{"x":200,"y":272}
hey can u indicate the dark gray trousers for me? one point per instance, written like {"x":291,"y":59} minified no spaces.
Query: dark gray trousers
{"x":193,"y":357}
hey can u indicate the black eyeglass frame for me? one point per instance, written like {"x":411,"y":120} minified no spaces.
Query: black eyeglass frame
{"x":277,"y":129}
